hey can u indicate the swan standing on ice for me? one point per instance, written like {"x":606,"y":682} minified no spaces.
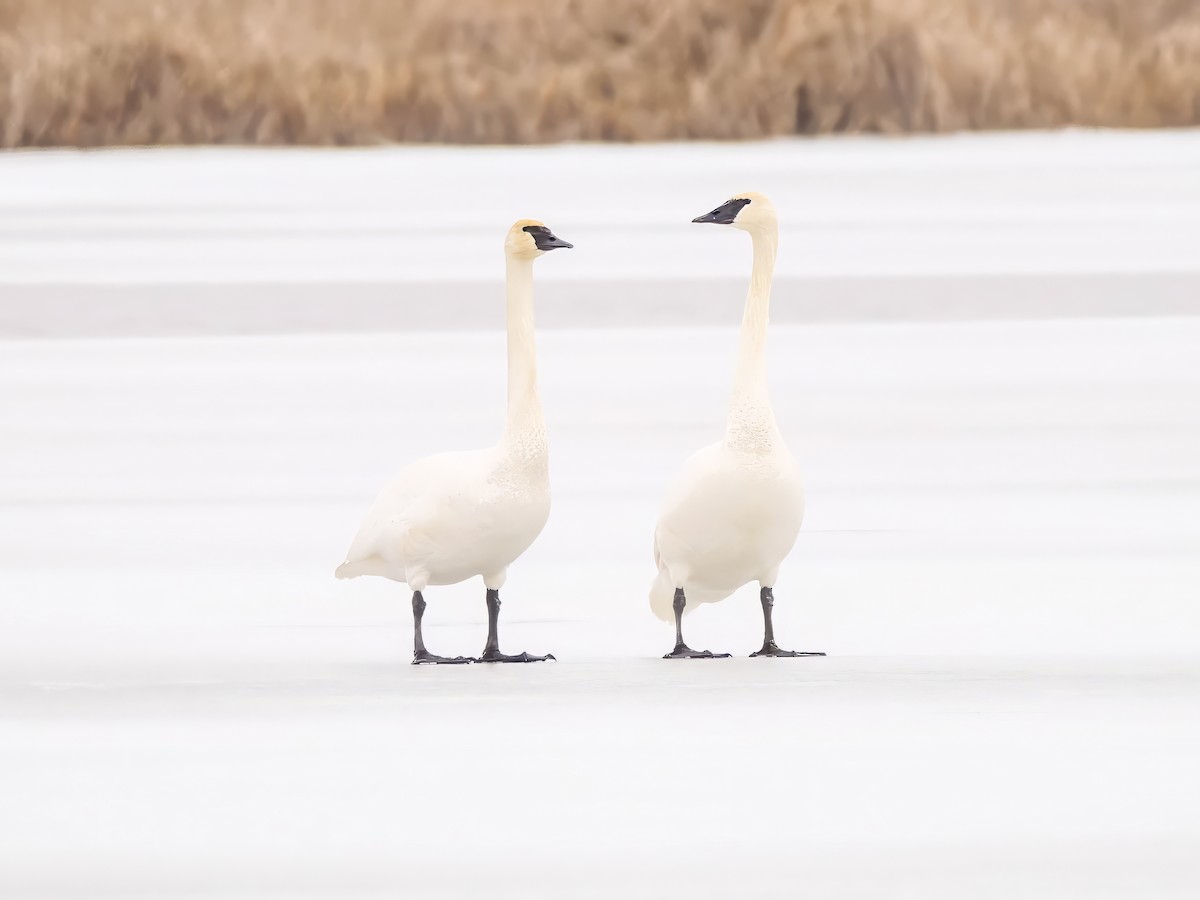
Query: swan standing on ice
{"x":734,"y":512}
{"x":450,"y":517}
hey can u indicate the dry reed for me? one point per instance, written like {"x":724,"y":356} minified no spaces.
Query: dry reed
{"x":118,"y":72}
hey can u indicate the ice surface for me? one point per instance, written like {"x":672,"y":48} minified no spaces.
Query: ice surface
{"x":1000,"y":558}
{"x":1000,"y":553}
{"x":1046,"y":202}
{"x":236,"y":240}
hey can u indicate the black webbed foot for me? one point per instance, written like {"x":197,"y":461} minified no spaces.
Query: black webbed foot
{"x":491,"y":650}
{"x":683,"y":651}
{"x":421,"y":656}
{"x":770,"y":648}
{"x":495,"y":656}
{"x":430,"y":659}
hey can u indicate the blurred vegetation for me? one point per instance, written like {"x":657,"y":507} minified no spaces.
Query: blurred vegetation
{"x":118,"y":72}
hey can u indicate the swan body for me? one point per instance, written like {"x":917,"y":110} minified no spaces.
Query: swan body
{"x":453,"y":516}
{"x":734,"y":511}
{"x":730,"y":517}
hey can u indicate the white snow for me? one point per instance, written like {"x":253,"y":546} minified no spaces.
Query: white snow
{"x":1000,"y":557}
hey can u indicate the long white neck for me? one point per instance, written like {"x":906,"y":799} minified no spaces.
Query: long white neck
{"x":525,"y":428}
{"x":751,"y":420}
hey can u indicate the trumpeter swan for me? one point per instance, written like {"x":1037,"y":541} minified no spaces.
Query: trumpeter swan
{"x":734,"y":511}
{"x":450,"y":517}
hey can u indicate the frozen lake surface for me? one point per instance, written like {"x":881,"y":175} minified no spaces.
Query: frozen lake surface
{"x":1000,"y":558}
{"x":1000,"y":553}
{"x":261,"y":241}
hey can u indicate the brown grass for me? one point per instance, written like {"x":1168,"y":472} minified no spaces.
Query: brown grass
{"x":105,"y":72}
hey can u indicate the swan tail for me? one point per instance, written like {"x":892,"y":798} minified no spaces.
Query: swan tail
{"x":662,"y":597}
{"x":349,"y":570}
{"x":370,"y":565}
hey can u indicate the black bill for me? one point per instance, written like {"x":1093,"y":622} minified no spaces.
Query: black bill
{"x":723,"y":214}
{"x":545,"y":238}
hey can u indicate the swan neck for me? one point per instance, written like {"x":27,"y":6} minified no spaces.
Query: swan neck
{"x":524,"y":406}
{"x":751,"y":427}
{"x":751,"y":367}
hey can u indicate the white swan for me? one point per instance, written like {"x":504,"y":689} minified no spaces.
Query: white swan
{"x":734,"y":511}
{"x":450,"y":517}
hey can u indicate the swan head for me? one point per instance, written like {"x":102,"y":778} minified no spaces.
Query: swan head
{"x":748,"y":211}
{"x":529,"y":239}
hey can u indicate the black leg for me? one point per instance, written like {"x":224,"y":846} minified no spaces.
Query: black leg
{"x":769,"y":647}
{"x":491,"y":651}
{"x":421,"y":656}
{"x":682,"y":650}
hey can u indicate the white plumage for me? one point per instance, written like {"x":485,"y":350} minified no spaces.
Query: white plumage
{"x":734,"y":511}
{"x":450,"y":517}
{"x":453,"y":516}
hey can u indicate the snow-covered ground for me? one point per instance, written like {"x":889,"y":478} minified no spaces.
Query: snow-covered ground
{"x":1000,"y":556}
